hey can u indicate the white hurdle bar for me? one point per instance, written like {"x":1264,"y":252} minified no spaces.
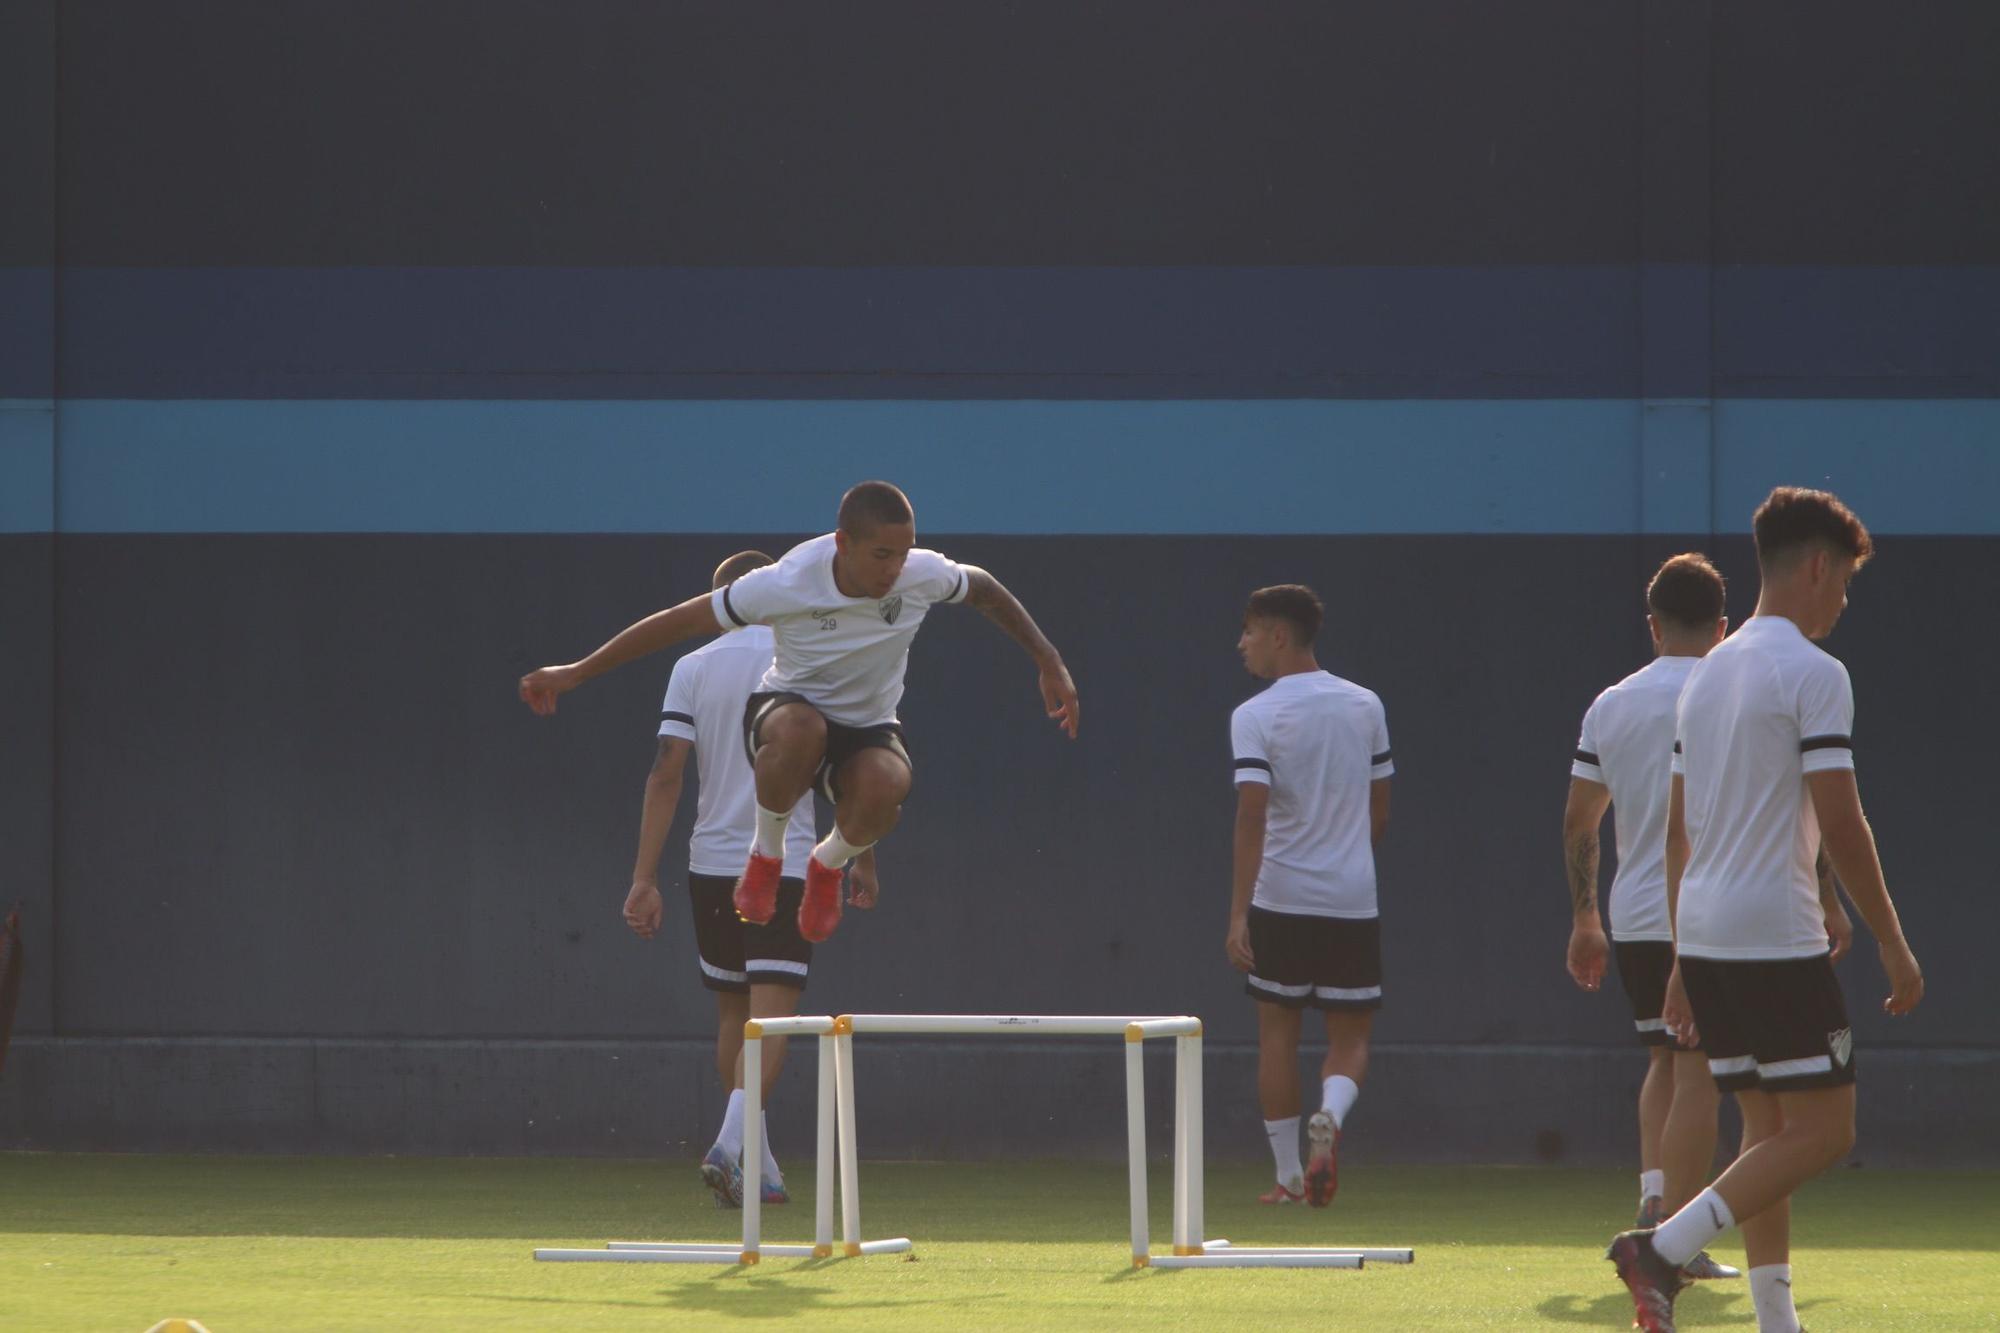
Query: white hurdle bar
{"x":752,"y":1246}
{"x":838,"y":1145}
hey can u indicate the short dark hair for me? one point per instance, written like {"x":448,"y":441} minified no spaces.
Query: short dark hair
{"x":1687,"y":592}
{"x":871,"y":504}
{"x":1793,"y":517}
{"x":736,"y":566}
{"x":1294,"y":603}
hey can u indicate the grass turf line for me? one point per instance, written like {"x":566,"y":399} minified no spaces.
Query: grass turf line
{"x":109,"y":1242}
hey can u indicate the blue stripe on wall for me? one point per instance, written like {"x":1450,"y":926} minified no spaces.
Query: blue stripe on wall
{"x":27,"y":465}
{"x":1556,"y":331}
{"x":1561,"y":466}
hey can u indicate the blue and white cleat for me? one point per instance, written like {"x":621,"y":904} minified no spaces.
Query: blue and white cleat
{"x":775,"y":1192}
{"x":720,"y":1173}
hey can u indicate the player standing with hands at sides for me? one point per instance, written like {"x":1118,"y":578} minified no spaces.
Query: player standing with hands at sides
{"x":754,"y":971}
{"x":1763,"y":771}
{"x":1623,"y":761}
{"x":1312,"y":799}
{"x":842,"y":609}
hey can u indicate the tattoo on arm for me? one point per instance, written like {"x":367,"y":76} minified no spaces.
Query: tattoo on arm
{"x":1583,"y":873}
{"x":985,"y":594}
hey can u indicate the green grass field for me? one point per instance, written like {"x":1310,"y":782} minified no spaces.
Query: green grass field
{"x":240,"y":1243}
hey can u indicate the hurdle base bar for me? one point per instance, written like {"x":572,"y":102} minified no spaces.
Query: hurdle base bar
{"x":1232,"y":1259}
{"x":719,"y":1252}
{"x":1374,"y":1254}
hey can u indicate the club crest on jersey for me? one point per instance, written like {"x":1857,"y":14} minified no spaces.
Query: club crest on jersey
{"x":892,"y":607}
{"x":1841,"y":1044}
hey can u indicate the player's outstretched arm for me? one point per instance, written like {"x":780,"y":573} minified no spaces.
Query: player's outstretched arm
{"x":1583,"y":814}
{"x":656,"y":817}
{"x":1839,"y":925}
{"x":1850,"y":845}
{"x":1253,"y":805}
{"x":541,"y":688}
{"x":1675,"y":1010}
{"x":864,"y":881}
{"x":993,"y":601}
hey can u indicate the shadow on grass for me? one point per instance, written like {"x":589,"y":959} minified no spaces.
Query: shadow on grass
{"x":1709,"y":1303}
{"x":730,"y":1295}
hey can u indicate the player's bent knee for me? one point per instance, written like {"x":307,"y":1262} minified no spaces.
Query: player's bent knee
{"x":876,"y":778}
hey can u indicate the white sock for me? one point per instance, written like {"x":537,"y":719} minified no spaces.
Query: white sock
{"x":1284,"y":1137}
{"x":771,"y":826}
{"x":730,"y":1140}
{"x":1771,"y":1292}
{"x":1652,"y":1184}
{"x":772,"y":1175}
{"x":1688,"y":1232}
{"x":1337,"y":1093}
{"x":834,"y":851}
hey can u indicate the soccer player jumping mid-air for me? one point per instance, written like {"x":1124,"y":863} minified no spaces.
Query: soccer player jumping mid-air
{"x":842,"y":609}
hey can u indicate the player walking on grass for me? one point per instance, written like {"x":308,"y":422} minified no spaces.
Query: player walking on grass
{"x":754,"y":971}
{"x":842,"y":609}
{"x":1623,"y":760}
{"x":1763,"y":770}
{"x":1312,"y":799}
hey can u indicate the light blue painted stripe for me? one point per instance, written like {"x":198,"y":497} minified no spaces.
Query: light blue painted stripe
{"x":1005,"y":467}
{"x":1907,"y":467}
{"x":1571,"y":466}
{"x":27,"y":465}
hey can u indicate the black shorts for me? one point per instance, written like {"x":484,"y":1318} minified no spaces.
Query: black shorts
{"x":1775,"y":1025}
{"x":735,"y":953}
{"x":842,"y":741}
{"x":1323,"y":961}
{"x":1643,"y":967}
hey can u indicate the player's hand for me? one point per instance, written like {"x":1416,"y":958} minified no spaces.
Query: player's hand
{"x":1059,"y":697}
{"x":642,"y":909}
{"x":1587,"y":951}
{"x":1906,"y":979}
{"x":864,"y":886}
{"x":540,"y":688}
{"x":1839,"y":933}
{"x":1677,"y":1013}
{"x":1237,"y":946}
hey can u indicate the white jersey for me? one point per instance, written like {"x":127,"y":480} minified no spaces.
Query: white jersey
{"x":705,"y":699}
{"x":1627,"y":745}
{"x":845,"y":655}
{"x":1760,"y":712}
{"x":1318,"y":742}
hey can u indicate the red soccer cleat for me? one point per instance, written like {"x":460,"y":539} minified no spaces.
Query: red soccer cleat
{"x":1323,"y":1168}
{"x":756,"y":896}
{"x":819,"y":910}
{"x":1281,"y":1193}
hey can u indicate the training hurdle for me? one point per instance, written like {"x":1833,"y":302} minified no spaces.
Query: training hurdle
{"x":752,"y":1245}
{"x":838,"y":1144}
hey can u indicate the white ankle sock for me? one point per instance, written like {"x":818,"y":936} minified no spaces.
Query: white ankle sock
{"x":730,"y":1140}
{"x":1284,"y":1137}
{"x":1652,"y":1184}
{"x":1337,"y":1093}
{"x":834,"y":851}
{"x":771,"y":831}
{"x":1771,"y":1292}
{"x":772,"y":1175}
{"x":1685,"y":1234}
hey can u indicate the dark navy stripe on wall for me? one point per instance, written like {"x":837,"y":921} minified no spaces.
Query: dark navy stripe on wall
{"x":1220,"y":467}
{"x":1563,"y":331}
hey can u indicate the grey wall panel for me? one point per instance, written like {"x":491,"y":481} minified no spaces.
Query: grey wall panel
{"x":27,"y":751}
{"x":300,"y":799}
